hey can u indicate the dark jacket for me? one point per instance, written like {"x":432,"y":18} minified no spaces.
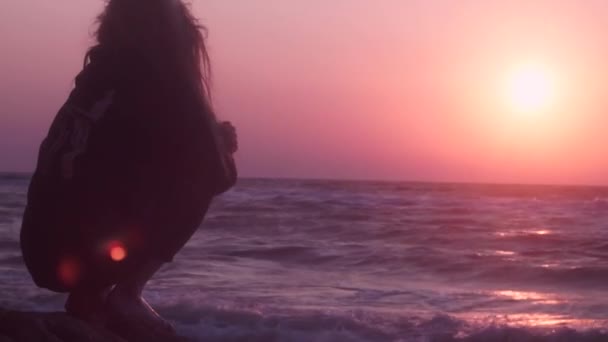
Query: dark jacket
{"x":133,"y":155}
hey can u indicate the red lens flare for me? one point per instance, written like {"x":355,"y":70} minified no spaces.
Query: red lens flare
{"x":117,"y":251}
{"x":68,"y":271}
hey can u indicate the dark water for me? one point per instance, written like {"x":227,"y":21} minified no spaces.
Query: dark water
{"x":280,"y":260}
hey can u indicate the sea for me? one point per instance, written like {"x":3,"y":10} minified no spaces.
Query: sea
{"x":326,"y":260}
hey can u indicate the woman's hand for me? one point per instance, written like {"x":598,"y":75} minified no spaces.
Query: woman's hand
{"x":228,"y":134}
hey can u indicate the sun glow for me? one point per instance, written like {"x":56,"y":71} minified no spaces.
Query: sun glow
{"x":530,"y":88}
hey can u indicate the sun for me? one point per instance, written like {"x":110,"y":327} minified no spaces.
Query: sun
{"x":530,"y":88}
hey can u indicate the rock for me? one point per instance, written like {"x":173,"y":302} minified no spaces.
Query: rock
{"x":59,"y":327}
{"x":52,"y":327}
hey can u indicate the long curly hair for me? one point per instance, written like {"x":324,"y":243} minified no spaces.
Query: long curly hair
{"x":164,"y":33}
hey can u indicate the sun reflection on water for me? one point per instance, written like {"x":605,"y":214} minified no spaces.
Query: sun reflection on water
{"x":543,"y":320}
{"x":510,"y":233}
{"x":533,"y":320}
{"x":532,"y":297}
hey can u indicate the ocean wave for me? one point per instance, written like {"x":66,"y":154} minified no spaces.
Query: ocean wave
{"x":229,"y":324}
{"x":15,"y":176}
{"x":284,"y":254}
{"x":589,"y":276}
{"x":11,"y":260}
{"x":283,"y":260}
{"x":563,"y":334}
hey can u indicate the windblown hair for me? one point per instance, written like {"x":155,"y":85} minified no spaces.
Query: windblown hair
{"x":163,"y":33}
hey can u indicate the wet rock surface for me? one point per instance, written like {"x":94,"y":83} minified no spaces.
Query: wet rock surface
{"x":18,"y":326}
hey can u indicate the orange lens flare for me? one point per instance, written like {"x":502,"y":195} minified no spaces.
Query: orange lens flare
{"x":117,"y":251}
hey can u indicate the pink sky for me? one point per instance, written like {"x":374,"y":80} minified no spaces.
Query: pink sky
{"x":390,"y":89}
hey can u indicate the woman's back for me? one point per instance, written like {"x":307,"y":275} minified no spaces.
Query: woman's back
{"x":129,"y":166}
{"x":133,"y":155}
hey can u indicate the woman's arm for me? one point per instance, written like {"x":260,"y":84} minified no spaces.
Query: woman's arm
{"x":230,"y":144}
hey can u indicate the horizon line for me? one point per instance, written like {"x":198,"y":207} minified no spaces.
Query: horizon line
{"x":388,"y":180}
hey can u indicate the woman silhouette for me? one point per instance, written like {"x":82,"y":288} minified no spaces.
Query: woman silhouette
{"x":129,"y":166}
